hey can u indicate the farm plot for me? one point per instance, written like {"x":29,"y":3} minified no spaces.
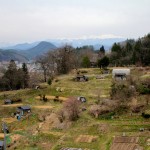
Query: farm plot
{"x":1,"y":135}
{"x":9,"y":120}
{"x":12,"y":105}
{"x":43,"y":107}
{"x":86,"y":138}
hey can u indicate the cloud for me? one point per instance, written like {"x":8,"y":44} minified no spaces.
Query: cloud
{"x":30,"y":20}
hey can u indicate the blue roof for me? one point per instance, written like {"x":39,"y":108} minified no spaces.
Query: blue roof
{"x":1,"y":143}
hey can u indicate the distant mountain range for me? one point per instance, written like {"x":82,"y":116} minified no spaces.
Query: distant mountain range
{"x":39,"y":49}
{"x":27,"y":51}
{"x":7,"y":55}
{"x":22,"y":46}
{"x":23,"y":55}
{"x":95,"y":42}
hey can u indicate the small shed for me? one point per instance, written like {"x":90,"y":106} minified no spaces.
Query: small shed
{"x":1,"y":145}
{"x":24,"y":109}
{"x":81,"y":99}
{"x":105,"y":71}
{"x":81,"y":78}
{"x":7,"y":101}
{"x":120,"y":74}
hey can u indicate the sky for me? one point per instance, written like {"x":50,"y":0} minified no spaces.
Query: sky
{"x":35,"y":20}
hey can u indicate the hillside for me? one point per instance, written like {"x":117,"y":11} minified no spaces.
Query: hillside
{"x":22,"y":46}
{"x":131,"y":52}
{"x":7,"y":55}
{"x":39,"y":49}
{"x":24,"y":55}
{"x":43,"y":130}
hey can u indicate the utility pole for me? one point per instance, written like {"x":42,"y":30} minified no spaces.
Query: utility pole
{"x":4,"y":130}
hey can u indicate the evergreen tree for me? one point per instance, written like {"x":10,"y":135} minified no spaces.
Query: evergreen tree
{"x":116,"y":48}
{"x":11,"y":75}
{"x":102,"y":52}
{"x":14,"y":78}
{"x":25,"y":75}
{"x":86,"y":62}
{"x":104,"y":62}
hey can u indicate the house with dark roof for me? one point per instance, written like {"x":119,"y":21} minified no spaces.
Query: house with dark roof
{"x":7,"y":101}
{"x":23,"y":110}
{"x":81,"y":78}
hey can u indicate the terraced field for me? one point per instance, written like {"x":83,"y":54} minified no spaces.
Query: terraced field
{"x":43,"y":130}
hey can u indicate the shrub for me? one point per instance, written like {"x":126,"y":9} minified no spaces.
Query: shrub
{"x":107,"y":115}
{"x":61,"y":115}
{"x":146,"y":116}
{"x":121,"y":91}
{"x":84,"y":71}
{"x":71,"y":108}
{"x":137,"y":108}
{"x":15,"y":100}
{"x":97,"y":110}
{"x":121,"y":109}
{"x":43,"y":97}
{"x":143,"y":86}
{"x":49,"y":81}
{"x":142,"y":89}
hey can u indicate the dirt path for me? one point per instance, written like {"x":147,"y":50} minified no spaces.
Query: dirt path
{"x":43,"y":107}
{"x":9,"y":120}
{"x":2,"y":135}
{"x":86,"y":138}
{"x":12,"y":105}
{"x":53,"y":133}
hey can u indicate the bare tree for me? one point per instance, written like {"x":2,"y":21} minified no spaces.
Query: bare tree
{"x":60,"y":61}
{"x":71,"y":106}
{"x":44,"y":65}
{"x":65,"y":59}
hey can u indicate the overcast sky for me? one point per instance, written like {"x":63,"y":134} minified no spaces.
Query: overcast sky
{"x":33,"y":20}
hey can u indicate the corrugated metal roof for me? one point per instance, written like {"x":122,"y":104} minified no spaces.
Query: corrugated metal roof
{"x":24,"y":107}
{"x":121,"y":71}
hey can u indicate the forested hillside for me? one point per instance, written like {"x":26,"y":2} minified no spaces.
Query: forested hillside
{"x":131,"y":52}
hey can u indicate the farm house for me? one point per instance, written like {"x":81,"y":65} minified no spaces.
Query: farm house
{"x":120,"y":74}
{"x":24,"y":109}
{"x":81,"y":78}
{"x":7,"y":101}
